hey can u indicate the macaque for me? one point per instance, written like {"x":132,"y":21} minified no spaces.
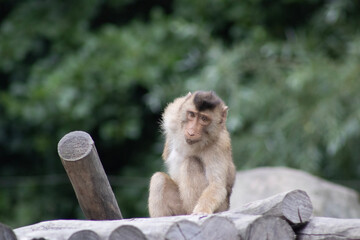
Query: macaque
{"x":198,"y":158}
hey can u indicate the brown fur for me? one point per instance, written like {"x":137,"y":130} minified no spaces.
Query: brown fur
{"x":201,"y":174}
{"x":206,"y":100}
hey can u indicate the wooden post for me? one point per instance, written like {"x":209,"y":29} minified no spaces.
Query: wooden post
{"x":82,"y":164}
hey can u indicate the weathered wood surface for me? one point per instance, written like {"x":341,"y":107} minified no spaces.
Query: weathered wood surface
{"x":257,"y":227}
{"x":196,"y":227}
{"x":179,"y":227}
{"x":320,"y":228}
{"x":82,"y":164}
{"x":294,"y":206}
{"x":227,"y":225}
{"x":267,"y":224}
{"x":220,"y":226}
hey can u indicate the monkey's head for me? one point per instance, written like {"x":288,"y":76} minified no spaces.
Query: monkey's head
{"x":203,"y":117}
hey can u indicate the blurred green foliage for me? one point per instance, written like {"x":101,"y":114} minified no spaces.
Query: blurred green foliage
{"x":289,"y":71}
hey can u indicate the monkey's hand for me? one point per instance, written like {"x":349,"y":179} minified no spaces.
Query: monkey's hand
{"x":201,"y":210}
{"x":210,"y":199}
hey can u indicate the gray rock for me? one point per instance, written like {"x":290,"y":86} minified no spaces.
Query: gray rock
{"x":329,"y":199}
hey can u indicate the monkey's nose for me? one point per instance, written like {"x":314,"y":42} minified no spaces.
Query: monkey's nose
{"x":191,"y":133}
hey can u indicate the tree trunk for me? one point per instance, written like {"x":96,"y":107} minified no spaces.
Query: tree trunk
{"x":82,"y":164}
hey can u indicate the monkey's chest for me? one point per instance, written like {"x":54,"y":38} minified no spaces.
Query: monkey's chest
{"x":192,"y":181}
{"x":188,"y":172}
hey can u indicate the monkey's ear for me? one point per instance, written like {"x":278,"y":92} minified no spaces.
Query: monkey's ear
{"x":224,"y":114}
{"x":188,"y":96}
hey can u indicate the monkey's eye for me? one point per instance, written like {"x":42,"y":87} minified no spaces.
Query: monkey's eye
{"x":204,"y":119}
{"x":191,"y":115}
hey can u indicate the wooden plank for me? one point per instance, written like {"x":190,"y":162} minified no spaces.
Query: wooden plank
{"x":83,"y":166}
{"x":294,"y":206}
{"x":320,"y":228}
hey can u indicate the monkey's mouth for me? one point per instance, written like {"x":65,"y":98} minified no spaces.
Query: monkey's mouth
{"x":191,"y":142}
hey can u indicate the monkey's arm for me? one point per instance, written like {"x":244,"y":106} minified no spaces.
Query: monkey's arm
{"x":212,"y":197}
{"x":170,"y":123}
{"x":215,"y":193}
{"x":170,"y":117}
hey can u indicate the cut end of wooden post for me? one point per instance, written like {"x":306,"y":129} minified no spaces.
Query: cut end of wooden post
{"x":183,"y":229}
{"x":75,"y":145}
{"x":217,"y":227}
{"x":269,"y":227}
{"x":297,"y":207}
{"x":85,"y":234}
{"x":127,"y":232}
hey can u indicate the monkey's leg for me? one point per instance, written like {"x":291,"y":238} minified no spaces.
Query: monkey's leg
{"x":164,"y":197}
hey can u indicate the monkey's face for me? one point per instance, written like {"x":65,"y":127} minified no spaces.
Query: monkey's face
{"x":203,"y":116}
{"x":195,"y":125}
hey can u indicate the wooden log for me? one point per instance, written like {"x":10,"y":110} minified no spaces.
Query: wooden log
{"x":6,"y":233}
{"x":294,"y":206}
{"x":257,"y":227}
{"x":186,"y":227}
{"x":183,"y":229}
{"x":213,"y":227}
{"x":227,"y":225}
{"x":217,"y":227}
{"x":82,"y":164}
{"x":127,"y":232}
{"x":85,"y":234}
{"x":320,"y":228}
{"x":152,"y":228}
